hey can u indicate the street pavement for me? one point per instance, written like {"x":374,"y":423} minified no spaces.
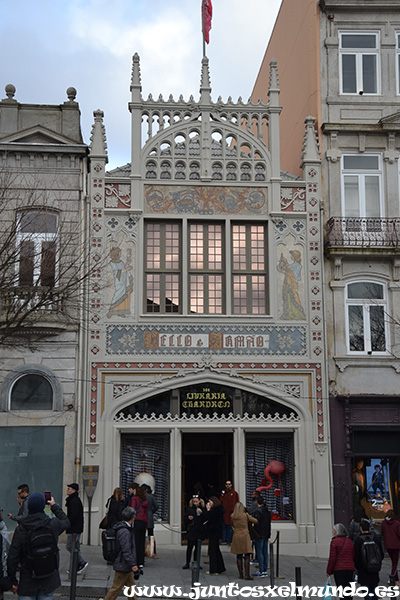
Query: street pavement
{"x":167,"y":571}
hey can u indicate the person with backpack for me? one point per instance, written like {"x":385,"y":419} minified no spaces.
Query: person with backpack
{"x":368,"y":555}
{"x":125,"y":563}
{"x":35,"y":548}
{"x":390,"y":529}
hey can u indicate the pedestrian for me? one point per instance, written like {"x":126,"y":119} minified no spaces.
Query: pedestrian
{"x":115,"y":504}
{"x":38,"y":577}
{"x":354,"y":526}
{"x":194,"y":519}
{"x":368,"y":555}
{"x":390,"y":529}
{"x":241,"y":541}
{"x":151,"y":509}
{"x":140,"y":504}
{"x":229,"y":497}
{"x":23,"y":495}
{"x":341,"y":556}
{"x":213,"y":523}
{"x":75,"y":515}
{"x":252,"y":507}
{"x":125,"y":563}
{"x":263,"y":529}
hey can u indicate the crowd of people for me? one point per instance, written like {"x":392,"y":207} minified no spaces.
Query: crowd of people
{"x":356,"y":554}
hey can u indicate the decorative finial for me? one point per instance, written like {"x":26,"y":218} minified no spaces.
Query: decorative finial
{"x":98,"y":145}
{"x":71,"y":94}
{"x":205,"y":85}
{"x":273,"y":76}
{"x":136,"y":86}
{"x":310,"y":141}
{"x":10,"y":91}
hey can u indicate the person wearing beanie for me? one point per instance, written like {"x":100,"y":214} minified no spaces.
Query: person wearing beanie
{"x":75,"y":515}
{"x":27,"y":586}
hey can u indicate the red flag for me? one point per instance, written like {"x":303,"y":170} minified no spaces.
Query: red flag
{"x":206,"y":14}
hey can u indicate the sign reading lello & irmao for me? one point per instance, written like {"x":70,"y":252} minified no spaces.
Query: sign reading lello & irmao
{"x":224,"y":339}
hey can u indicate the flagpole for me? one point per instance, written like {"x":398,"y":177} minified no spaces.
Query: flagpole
{"x":203,"y":16}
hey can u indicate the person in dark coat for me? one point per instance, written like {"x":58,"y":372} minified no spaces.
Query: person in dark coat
{"x":23,"y":495}
{"x":125,"y":564}
{"x":341,"y":556}
{"x":75,"y":516}
{"x":229,"y":497}
{"x":151,"y":509}
{"x":390,"y":529}
{"x":213,"y":522}
{"x":27,"y":585}
{"x":194,"y":519}
{"x":140,"y":504}
{"x":115,"y":504}
{"x":370,"y":580}
{"x":263,"y":528}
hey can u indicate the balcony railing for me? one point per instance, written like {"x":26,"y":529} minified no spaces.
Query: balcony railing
{"x":37,"y":300}
{"x":366,"y":232}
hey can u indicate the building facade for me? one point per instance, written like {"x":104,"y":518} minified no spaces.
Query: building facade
{"x":43,"y":172}
{"x":349,"y":55}
{"x":205,"y":347}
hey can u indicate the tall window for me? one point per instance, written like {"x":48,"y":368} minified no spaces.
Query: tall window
{"x":366,"y":323}
{"x":163,"y":268}
{"x":359,"y":62}
{"x":249,"y":269}
{"x":206,"y":268}
{"x":37,"y":233}
{"x":361,"y":185}
{"x":398,"y":61}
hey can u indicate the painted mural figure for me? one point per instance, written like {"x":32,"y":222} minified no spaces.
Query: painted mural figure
{"x":123,"y":283}
{"x":292,"y":307}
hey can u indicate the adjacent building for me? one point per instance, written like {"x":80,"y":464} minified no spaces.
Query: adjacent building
{"x":339,"y":60}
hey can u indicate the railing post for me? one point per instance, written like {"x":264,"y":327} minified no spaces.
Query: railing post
{"x":271,"y":564}
{"x":196,"y":564}
{"x":73,"y":568}
{"x":297,"y":579}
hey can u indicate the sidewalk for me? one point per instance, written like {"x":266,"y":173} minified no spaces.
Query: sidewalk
{"x":167,"y":571}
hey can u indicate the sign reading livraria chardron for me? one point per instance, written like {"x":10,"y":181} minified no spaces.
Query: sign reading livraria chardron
{"x":206,"y":399}
{"x":178,"y":339}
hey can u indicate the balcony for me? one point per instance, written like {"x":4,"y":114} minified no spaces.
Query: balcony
{"x":362,"y":233}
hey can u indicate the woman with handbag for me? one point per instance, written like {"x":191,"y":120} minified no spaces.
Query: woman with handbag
{"x":115,"y":505}
{"x":241,"y":541}
{"x":341,"y":556}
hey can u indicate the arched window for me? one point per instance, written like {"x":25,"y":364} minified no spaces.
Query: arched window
{"x":31,"y":392}
{"x":366,"y":314}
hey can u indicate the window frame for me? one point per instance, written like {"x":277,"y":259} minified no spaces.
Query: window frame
{"x":31,"y":369}
{"x":366,"y":303}
{"x":39,"y":239}
{"x":359,"y":53}
{"x":398,"y":63}
{"x":361,"y":175}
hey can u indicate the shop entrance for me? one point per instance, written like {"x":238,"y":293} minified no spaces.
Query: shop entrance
{"x":206,"y":463}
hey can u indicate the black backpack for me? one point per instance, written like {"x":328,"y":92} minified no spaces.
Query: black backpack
{"x":371,"y":556}
{"x":42,"y":551}
{"x":110,"y":545}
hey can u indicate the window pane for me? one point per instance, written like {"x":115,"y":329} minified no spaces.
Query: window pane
{"x":365,"y":290}
{"x":351,"y":196}
{"x":356,"y":328}
{"x":197,"y":294}
{"x":349,"y":74}
{"x":377,"y":324}
{"x":372,"y":199}
{"x":369,"y":73}
{"x":38,"y":221}
{"x":239,"y":294}
{"x":258,"y":294}
{"x":398,"y":73}
{"x":172,"y":246}
{"x":48,"y":264}
{"x":26,"y":263}
{"x":257,"y":248}
{"x":215,"y":247}
{"x":239,"y":247}
{"x":196,"y":247}
{"x":215,"y":294}
{"x":356,"y":162}
{"x":32,"y":392}
{"x":351,"y":40}
{"x":172,"y":293}
{"x":153,"y":293}
{"x":153,"y":246}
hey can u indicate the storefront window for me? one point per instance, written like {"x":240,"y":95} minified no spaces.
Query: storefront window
{"x":376,"y":485}
{"x":159,"y":405}
{"x":270,"y":467}
{"x":145,"y":458}
{"x":255,"y":405}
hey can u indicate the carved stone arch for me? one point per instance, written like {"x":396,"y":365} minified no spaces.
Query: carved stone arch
{"x":185,"y":379}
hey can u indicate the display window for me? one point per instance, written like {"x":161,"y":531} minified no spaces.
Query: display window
{"x":376,"y":485}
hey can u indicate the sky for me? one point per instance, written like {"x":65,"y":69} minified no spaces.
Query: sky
{"x":50,"y":45}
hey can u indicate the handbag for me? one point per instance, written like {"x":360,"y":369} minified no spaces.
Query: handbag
{"x":254,"y":535}
{"x":104,"y":523}
{"x":149,"y":546}
{"x":327,"y":590}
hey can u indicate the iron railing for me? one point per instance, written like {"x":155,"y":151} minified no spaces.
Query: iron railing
{"x":362,"y":232}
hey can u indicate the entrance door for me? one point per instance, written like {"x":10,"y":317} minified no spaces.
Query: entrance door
{"x":206,"y":460}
